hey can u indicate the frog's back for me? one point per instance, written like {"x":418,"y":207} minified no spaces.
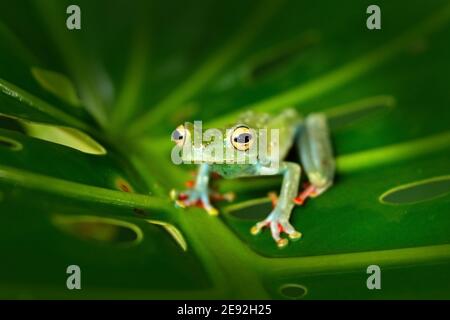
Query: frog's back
{"x":286,"y":122}
{"x":255,"y":120}
{"x":258,"y":120}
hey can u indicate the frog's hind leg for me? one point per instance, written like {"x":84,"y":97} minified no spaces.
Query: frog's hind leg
{"x":310,"y":191}
{"x":316,"y":155}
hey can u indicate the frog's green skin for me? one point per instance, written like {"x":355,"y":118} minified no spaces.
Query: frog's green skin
{"x":311,"y":137}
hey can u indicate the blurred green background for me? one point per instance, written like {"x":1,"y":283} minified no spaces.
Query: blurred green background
{"x":85,"y":171}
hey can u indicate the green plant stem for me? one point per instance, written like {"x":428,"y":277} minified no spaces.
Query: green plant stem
{"x":75,"y":58}
{"x":208,"y":70}
{"x":159,"y":208}
{"x":40,"y":105}
{"x":392,"y":153}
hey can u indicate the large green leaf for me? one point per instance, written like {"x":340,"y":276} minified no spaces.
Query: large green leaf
{"x":85,"y":169}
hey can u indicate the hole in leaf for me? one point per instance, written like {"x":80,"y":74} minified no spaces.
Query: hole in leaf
{"x":173,"y":231}
{"x":69,"y":137}
{"x":256,"y":209}
{"x":10,"y":124}
{"x":123,"y":185}
{"x":100,"y":230}
{"x":57,"y":84}
{"x":10,"y":144}
{"x":419,"y":191}
{"x":293,"y":291}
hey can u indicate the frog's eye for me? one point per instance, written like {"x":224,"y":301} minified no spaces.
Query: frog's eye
{"x":241,"y":138}
{"x":179,"y":135}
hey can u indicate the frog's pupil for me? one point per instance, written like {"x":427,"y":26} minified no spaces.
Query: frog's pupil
{"x":243,"y":138}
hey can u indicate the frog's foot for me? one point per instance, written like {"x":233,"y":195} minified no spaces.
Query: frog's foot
{"x":277,"y":226}
{"x":310,"y":191}
{"x":193,"y":197}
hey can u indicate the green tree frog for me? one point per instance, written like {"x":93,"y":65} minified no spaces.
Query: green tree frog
{"x":309,"y":135}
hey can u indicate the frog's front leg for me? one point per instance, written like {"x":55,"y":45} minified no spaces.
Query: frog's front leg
{"x":199,"y":193}
{"x":278,"y":219}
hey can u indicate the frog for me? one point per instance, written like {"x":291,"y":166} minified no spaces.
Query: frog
{"x":310,"y":136}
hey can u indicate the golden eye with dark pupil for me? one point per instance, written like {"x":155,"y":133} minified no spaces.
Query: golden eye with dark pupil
{"x":179,"y":135}
{"x":243,"y":138}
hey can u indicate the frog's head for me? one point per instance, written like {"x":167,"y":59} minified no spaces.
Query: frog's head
{"x":236,"y":145}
